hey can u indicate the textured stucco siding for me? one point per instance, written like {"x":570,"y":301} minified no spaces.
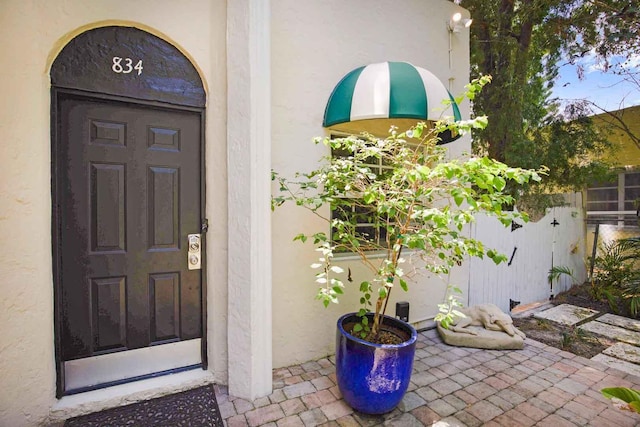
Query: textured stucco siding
{"x":314,"y":44}
{"x":33,"y":32}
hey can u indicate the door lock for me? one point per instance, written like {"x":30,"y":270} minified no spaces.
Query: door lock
{"x":194,"y":253}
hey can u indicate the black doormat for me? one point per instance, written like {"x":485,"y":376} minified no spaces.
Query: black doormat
{"x":191,"y":408}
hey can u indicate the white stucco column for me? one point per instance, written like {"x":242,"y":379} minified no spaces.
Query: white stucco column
{"x":249,"y":189}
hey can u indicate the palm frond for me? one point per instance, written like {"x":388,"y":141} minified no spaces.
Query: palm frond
{"x":558,"y":270}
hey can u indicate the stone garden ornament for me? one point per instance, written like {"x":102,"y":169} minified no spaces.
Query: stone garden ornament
{"x":484,"y":326}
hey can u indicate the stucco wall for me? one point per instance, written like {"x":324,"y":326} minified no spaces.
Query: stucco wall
{"x":33,"y":32}
{"x":314,"y":44}
{"x":614,"y":124}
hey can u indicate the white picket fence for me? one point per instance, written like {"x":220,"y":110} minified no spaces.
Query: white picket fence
{"x":556,"y":239}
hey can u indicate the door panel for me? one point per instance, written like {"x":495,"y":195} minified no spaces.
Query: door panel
{"x":165,"y":306}
{"x":109,"y":308}
{"x":107,"y":207}
{"x":129,"y":194}
{"x":163,"y":208}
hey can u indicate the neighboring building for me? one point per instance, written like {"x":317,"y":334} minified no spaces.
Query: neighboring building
{"x":623,"y":127}
{"x":220,"y":92}
{"x":615,"y":204}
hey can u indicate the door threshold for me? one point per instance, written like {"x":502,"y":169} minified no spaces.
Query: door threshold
{"x":132,"y":379}
{"x":118,"y":395}
{"x":95,"y":372}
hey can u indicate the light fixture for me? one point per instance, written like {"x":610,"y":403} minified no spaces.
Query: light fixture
{"x":457,"y":23}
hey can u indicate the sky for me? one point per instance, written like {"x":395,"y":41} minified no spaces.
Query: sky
{"x":607,"y":90}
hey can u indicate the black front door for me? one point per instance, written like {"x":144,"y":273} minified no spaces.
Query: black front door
{"x":128,"y":194}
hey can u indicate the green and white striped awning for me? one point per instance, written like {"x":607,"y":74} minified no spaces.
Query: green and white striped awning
{"x":390,"y":90}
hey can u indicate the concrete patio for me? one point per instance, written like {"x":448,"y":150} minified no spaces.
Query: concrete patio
{"x":451,"y":386}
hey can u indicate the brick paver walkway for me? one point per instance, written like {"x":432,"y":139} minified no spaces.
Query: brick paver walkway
{"x":450,"y":386}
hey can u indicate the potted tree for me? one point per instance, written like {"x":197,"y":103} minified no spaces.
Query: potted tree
{"x":389,"y":198}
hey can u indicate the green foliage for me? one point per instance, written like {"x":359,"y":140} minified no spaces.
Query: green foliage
{"x":617,"y":274}
{"x":574,"y":334}
{"x":330,"y":286}
{"x":420,"y":201}
{"x":611,"y":298}
{"x":544,"y":324}
{"x":559,"y":270}
{"x":362,"y":329}
{"x":567,"y":339}
{"x":614,"y":264}
{"x":448,"y":311}
{"x":520,"y":44}
{"x":624,"y":398}
{"x":634,"y":304}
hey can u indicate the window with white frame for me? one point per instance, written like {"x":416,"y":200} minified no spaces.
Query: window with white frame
{"x":373,"y":234}
{"x":354,"y":211}
{"x":615,"y":201}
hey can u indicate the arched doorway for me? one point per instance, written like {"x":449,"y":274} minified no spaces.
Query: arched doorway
{"x":128,"y":209}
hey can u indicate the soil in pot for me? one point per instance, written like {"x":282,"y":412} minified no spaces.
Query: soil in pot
{"x":388,"y":334}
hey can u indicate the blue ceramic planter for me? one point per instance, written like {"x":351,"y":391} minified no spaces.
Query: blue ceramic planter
{"x":373,"y":378}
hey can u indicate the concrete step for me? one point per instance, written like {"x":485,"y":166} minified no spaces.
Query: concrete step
{"x":623,"y":322}
{"x":567,"y":314}
{"x":624,"y":351}
{"x":527,"y":310}
{"x":614,"y":332}
{"x":624,"y":355}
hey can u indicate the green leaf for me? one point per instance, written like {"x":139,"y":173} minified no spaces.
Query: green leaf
{"x":365,"y":286}
{"x":300,"y":237}
{"x":403,"y":285}
{"x":357,"y":327}
{"x":424,"y":171}
{"x":458,"y":196}
{"x":499,"y":183}
{"x":496,"y":257}
{"x":623,"y":393}
{"x":368,"y":197}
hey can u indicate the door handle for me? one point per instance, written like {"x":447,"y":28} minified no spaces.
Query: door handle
{"x":194,"y":254}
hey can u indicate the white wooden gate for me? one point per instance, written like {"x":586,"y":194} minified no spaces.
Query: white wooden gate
{"x":556,"y":239}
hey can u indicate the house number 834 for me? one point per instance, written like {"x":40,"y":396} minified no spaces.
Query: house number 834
{"x":125,"y":65}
